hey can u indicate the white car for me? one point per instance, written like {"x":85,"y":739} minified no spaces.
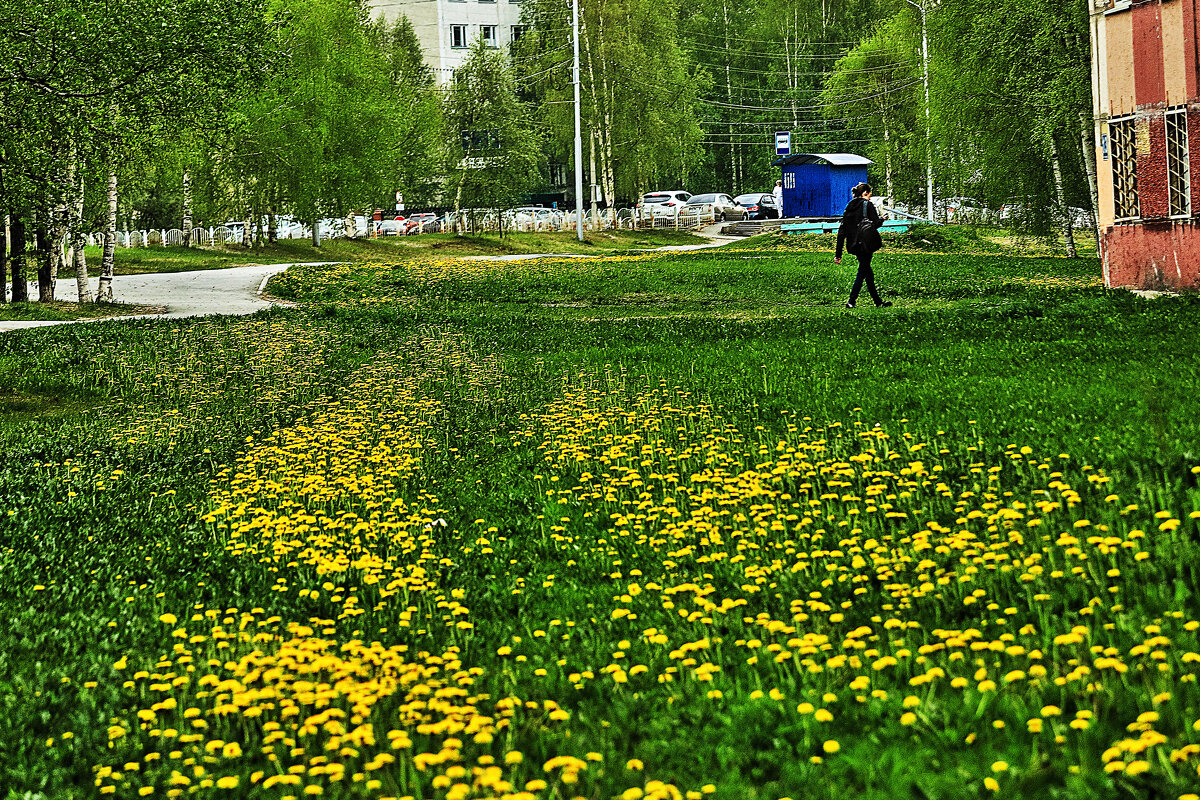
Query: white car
{"x":663,"y":204}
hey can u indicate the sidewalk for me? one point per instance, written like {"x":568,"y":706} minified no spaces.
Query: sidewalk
{"x":236,"y":290}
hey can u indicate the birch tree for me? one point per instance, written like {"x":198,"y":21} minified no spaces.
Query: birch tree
{"x":76,"y":77}
{"x":494,"y":153}
{"x":1012,"y":84}
{"x":640,"y":94}
{"x":878,"y":82}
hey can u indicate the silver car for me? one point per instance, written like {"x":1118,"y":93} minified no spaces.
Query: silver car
{"x":723,"y":207}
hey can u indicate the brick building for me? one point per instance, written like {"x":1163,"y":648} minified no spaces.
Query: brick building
{"x":1146,"y":93}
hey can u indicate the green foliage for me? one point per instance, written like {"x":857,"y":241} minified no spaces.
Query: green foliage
{"x":640,"y":93}
{"x":97,"y":79}
{"x":495,"y":154}
{"x":880,"y":82}
{"x":1009,"y":78}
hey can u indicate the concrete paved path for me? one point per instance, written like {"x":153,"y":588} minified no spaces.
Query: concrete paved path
{"x":236,"y":290}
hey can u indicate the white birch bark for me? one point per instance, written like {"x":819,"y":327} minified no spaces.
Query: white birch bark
{"x":187,"y":209}
{"x":105,"y":292}
{"x":79,"y":257}
{"x":1068,"y":229}
{"x":1086,"y":132}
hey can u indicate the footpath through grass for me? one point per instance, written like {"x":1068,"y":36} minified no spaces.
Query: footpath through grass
{"x":642,"y":526}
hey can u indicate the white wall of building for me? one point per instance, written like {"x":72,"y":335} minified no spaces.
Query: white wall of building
{"x":433,"y":21}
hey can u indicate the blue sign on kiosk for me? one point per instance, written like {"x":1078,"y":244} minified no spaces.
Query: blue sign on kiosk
{"x":819,"y":184}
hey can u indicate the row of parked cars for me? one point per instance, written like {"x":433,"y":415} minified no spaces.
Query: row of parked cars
{"x":674,"y":203}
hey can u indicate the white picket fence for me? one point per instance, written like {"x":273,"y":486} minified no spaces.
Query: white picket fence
{"x":218,"y":234}
{"x":626,"y":219}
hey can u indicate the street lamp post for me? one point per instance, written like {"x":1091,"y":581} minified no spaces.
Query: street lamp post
{"x":928,"y":127}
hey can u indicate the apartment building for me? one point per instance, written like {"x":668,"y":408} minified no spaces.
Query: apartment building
{"x":1146,"y":95}
{"x":447,"y":28}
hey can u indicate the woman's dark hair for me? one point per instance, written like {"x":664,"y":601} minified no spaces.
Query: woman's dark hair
{"x":861,"y":189}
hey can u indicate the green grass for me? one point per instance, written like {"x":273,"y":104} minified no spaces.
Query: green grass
{"x":141,"y":260}
{"x":63,"y":310}
{"x":960,"y":239}
{"x":576,"y":442}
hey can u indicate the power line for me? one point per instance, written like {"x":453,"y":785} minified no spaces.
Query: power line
{"x":797,"y":109}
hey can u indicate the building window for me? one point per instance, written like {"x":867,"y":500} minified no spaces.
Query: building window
{"x":1122,"y":144}
{"x":458,"y":36}
{"x":1179,"y":173}
{"x":488,"y":34}
{"x":517,"y":32}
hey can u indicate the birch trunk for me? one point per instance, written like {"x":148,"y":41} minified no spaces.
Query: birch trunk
{"x":458,"y":231}
{"x":272,"y":229}
{"x":20,"y":287}
{"x":887,"y":163}
{"x":247,"y":231}
{"x":601,"y":121}
{"x":78,"y":240}
{"x":1086,"y":134}
{"x":187,"y":209}
{"x":1068,"y":228}
{"x":49,"y":245}
{"x":104,"y":294}
{"x":595,"y":220}
{"x":729,"y":102}
{"x":4,"y":240}
{"x":316,"y":232}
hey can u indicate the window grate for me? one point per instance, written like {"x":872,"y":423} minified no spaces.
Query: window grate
{"x":1179,"y":173}
{"x":1123,"y":149}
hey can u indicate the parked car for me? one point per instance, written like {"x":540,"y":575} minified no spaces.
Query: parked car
{"x":420,"y":223}
{"x":723,"y":206}
{"x":391,"y":227}
{"x":964,"y":210}
{"x":758,"y":206}
{"x":535,"y":215}
{"x":663,"y":204}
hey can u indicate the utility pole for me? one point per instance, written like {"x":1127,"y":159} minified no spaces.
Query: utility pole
{"x":928,"y":125}
{"x":578,"y":127}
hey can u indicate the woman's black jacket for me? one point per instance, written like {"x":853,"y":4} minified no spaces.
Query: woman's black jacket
{"x":848,"y":230}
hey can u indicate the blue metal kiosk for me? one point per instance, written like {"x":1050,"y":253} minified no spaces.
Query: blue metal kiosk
{"x":819,"y":184}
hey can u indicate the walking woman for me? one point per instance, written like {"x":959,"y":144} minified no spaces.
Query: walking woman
{"x":859,"y":232}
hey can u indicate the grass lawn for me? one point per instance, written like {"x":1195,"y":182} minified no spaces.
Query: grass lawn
{"x":141,"y":260}
{"x":66,"y":310}
{"x":648,"y":525}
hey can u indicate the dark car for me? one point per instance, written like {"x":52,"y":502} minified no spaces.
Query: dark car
{"x":758,"y":206}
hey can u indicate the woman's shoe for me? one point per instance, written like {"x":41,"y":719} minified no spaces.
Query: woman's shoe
{"x":849,"y":305}
{"x":885,"y":304}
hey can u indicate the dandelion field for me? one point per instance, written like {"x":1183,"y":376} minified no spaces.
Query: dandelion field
{"x":669,"y":527}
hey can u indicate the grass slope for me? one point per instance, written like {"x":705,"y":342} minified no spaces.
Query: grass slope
{"x":641,"y":526}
